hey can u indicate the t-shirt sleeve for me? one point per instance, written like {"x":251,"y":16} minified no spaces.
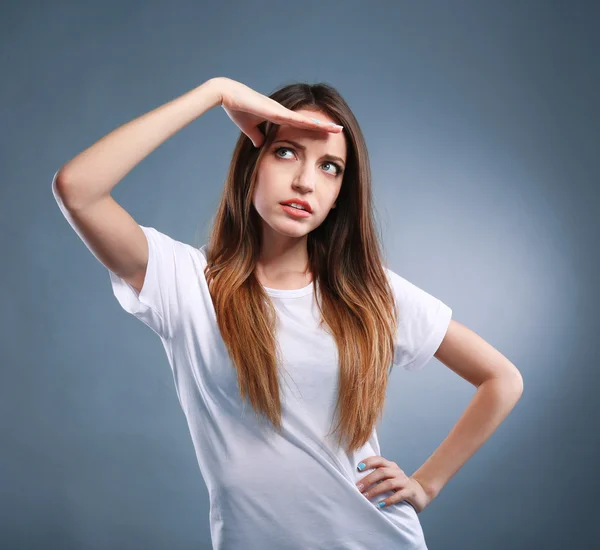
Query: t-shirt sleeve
{"x":423,"y":322}
{"x":156,"y":305}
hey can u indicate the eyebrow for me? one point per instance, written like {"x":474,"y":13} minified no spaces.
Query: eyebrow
{"x":303,"y":148}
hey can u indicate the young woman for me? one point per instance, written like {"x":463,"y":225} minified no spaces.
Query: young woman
{"x":286,"y":323}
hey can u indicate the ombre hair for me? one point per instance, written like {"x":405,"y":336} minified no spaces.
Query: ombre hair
{"x":351,"y":289}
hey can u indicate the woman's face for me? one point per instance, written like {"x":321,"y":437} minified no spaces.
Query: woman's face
{"x":287,"y":171}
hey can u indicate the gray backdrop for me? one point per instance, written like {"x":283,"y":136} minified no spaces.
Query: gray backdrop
{"x":482,"y":125}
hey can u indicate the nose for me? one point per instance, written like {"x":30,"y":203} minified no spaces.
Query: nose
{"x":305,"y":180}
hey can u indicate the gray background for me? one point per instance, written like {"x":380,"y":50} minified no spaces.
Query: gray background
{"x":482,"y":125}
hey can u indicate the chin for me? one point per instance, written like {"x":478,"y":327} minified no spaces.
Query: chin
{"x":287,"y":228}
{"x":300,"y":232}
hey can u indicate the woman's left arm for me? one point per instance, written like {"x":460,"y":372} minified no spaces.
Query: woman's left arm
{"x":499,"y":386}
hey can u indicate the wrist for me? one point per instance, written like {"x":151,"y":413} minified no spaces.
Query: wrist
{"x":431,"y":489}
{"x":218,"y":86}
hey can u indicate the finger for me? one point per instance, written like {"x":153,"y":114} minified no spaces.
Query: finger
{"x":374,"y":462}
{"x":326,"y":125}
{"x":255,"y":137}
{"x":315,"y":123}
{"x":381,"y":486}
{"x":396,"y":498}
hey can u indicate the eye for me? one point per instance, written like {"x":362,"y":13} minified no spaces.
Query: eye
{"x":338,"y":168}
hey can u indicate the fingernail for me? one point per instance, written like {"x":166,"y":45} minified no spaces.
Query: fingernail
{"x":360,"y":486}
{"x":317,"y":121}
{"x":361,"y":466}
{"x":381,"y":504}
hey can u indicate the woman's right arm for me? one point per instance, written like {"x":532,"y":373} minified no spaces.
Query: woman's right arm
{"x":82,"y":186}
{"x":94,"y":172}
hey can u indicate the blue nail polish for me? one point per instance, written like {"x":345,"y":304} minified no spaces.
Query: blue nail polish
{"x":361,"y":466}
{"x":381,"y":504}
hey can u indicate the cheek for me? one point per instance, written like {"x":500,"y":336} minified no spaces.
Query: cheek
{"x":260,"y":197}
{"x":267,"y":185}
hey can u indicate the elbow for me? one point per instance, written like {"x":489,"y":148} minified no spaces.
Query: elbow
{"x":60,"y":194}
{"x":509,"y":382}
{"x":514,"y":381}
{"x":518,"y":381}
{"x":58,"y":183}
{"x":63,"y":191}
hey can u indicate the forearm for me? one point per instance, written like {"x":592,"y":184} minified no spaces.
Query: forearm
{"x":94,"y":172}
{"x":491,"y":404}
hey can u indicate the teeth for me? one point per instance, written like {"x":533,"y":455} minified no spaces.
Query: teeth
{"x":294,"y":205}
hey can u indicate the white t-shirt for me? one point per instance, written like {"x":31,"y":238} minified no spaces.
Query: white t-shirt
{"x":297,"y":490}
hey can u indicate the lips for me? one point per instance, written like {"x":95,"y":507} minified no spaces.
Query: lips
{"x":302,"y":203}
{"x":296,"y":212}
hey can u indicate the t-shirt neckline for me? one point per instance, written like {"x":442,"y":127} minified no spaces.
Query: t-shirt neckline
{"x":277,"y":292}
{"x":286,"y":293}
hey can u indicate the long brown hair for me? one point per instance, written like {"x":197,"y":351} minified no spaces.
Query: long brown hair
{"x":354,"y":296}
